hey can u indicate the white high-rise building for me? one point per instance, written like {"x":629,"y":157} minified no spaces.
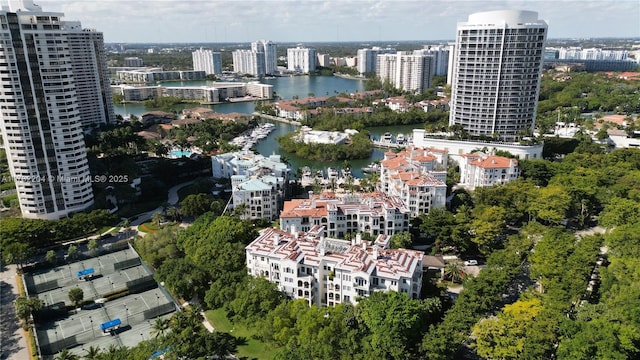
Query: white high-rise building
{"x":270,"y":50}
{"x":89,"y":64}
{"x":248,"y":62}
{"x":440,"y":58}
{"x":496,"y":77}
{"x":40,"y":120}
{"x":302,"y":60}
{"x":405,"y":71}
{"x":367,"y":58}
{"x":208,"y":61}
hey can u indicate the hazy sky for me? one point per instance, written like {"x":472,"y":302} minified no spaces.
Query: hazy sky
{"x":331,"y":20}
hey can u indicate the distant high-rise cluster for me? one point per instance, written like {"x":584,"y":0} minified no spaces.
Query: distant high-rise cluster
{"x":440,"y":58}
{"x":406,"y":71}
{"x":593,"y":59}
{"x":367,"y":58}
{"x":208,"y":61}
{"x":54,"y":82}
{"x":496,"y":76}
{"x":302,"y":60}
{"x":259,"y":61}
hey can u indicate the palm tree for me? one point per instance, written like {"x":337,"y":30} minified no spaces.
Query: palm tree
{"x":454,"y":272}
{"x":156,"y":218}
{"x":160,"y":327}
{"x":93,"y":353}
{"x":66,"y":355}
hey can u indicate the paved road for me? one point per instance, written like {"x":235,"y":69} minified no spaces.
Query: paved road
{"x":13,"y":345}
{"x":172,"y":200}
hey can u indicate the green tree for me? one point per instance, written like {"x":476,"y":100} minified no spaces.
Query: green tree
{"x":254,"y":298}
{"x":488,"y":224}
{"x":160,"y":327}
{"x":401,"y":240}
{"x":620,"y":211}
{"x":183,"y":278}
{"x":395,"y":323}
{"x":16,"y":253}
{"x":72,"y":252}
{"x":504,"y":336}
{"x":157,"y":218}
{"x":65,"y":354}
{"x":92,"y":246}
{"x":195,"y":205}
{"x":51,"y":257}
{"x":550,"y":204}
{"x":92,"y":353}
{"x":453,"y":271}
{"x":76,"y":295}
{"x":25,"y":307}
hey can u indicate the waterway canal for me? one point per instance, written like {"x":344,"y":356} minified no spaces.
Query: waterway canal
{"x":287,"y":88}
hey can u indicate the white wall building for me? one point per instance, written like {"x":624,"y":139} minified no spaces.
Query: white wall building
{"x":258,"y":182}
{"x":301,"y":60}
{"x":248,"y":62}
{"x":458,"y":147}
{"x":91,"y":76}
{"x":269,"y":49}
{"x":372,"y":213}
{"x":417,"y":176}
{"x":40,"y":121}
{"x":440,"y":58}
{"x":261,"y":194}
{"x":496,"y":77}
{"x":242,"y":163}
{"x":482,"y":170}
{"x":367,"y":58}
{"x":405,"y":71}
{"x":309,"y":136}
{"x":208,"y":61}
{"x":133,"y":62}
{"x":327,"y":272}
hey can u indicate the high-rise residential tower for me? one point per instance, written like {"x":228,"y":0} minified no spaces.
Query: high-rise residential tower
{"x":406,"y":71}
{"x":248,"y":62}
{"x":496,"y":76}
{"x":367,"y":58}
{"x":301,"y":60}
{"x":40,"y":119}
{"x":269,"y":49}
{"x":89,"y":64}
{"x":207,"y":60}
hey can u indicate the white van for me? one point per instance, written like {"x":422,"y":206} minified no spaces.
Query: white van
{"x":471,"y":263}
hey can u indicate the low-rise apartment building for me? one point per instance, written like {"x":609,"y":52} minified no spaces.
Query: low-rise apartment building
{"x":326,"y":272}
{"x":417,"y":176}
{"x":258,"y":183}
{"x":482,"y":170}
{"x":371,"y":213}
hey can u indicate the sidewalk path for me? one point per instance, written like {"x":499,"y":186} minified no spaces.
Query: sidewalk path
{"x":172,"y":200}
{"x":13,"y":345}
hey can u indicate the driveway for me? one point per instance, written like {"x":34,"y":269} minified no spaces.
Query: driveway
{"x":13,"y":345}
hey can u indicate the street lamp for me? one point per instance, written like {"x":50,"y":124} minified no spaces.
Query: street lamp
{"x":93,"y":332}
{"x":127,"y":311}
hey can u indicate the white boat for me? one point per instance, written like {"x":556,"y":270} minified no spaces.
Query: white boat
{"x":306,"y":171}
{"x":386,"y":137}
{"x":400,"y":139}
{"x":346,"y":172}
{"x":332,"y":173}
{"x":371,"y":168}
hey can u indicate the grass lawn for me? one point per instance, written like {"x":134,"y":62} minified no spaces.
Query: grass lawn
{"x":149,"y":227}
{"x":253,"y":349}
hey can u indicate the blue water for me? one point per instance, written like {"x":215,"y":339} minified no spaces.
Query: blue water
{"x":287,"y":88}
{"x":179,"y":153}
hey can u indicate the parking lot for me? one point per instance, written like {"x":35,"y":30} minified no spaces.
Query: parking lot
{"x":120,"y":289}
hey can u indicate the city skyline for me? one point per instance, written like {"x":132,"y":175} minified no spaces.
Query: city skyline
{"x":195,"y":21}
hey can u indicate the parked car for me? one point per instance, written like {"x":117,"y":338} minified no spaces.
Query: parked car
{"x":471,"y":262}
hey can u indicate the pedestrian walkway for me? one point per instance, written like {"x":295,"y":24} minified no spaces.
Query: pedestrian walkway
{"x":13,"y":344}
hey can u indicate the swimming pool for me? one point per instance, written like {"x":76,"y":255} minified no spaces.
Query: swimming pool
{"x":179,"y":153}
